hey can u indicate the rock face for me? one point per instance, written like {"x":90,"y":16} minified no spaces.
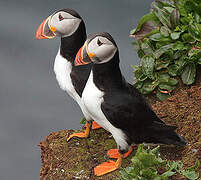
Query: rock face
{"x":77,"y":158}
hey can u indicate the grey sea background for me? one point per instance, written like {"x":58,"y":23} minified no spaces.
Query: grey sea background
{"x":31,"y":103}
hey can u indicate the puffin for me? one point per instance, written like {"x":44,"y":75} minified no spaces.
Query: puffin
{"x":116,"y":105}
{"x":68,"y":24}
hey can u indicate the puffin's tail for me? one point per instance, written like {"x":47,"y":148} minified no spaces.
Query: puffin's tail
{"x":160,"y":133}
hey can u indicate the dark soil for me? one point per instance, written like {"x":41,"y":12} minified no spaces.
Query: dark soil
{"x":76,"y":159}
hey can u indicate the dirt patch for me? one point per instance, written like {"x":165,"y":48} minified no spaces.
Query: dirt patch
{"x":183,"y":109}
{"x":76,"y":159}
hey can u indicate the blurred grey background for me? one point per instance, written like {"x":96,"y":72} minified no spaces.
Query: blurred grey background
{"x":31,"y":103}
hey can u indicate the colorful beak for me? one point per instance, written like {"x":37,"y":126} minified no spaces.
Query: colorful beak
{"x":83,"y":56}
{"x":45,"y":31}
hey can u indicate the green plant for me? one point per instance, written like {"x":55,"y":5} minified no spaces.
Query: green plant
{"x":83,"y":121}
{"x":168,"y":41}
{"x":147,"y":165}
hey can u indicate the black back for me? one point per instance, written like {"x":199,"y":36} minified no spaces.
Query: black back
{"x":127,"y":109}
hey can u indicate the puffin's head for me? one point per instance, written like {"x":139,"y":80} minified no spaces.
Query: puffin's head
{"x":63,"y":23}
{"x":98,"y":48}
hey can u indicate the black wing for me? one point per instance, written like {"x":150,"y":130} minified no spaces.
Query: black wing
{"x":128,"y":108}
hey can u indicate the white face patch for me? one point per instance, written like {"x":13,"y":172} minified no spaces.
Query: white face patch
{"x":65,"y":23}
{"x":103,"y":49}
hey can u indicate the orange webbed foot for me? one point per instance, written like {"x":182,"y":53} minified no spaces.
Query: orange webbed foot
{"x":95,"y":125}
{"x":84,"y":134}
{"x":114,"y":153}
{"x":107,"y":167}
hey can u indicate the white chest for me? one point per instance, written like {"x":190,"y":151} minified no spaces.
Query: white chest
{"x":62,"y":69}
{"x":92,"y":98}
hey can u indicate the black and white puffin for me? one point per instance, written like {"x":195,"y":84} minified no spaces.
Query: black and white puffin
{"x":68,"y":24}
{"x":116,"y":105}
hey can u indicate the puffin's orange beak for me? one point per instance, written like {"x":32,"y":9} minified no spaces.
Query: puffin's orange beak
{"x":83,"y":56}
{"x":44,"y":31}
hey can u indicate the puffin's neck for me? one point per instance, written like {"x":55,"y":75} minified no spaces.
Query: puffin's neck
{"x":71,"y":44}
{"x":107,"y":76}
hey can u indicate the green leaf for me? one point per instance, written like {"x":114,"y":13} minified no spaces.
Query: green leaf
{"x":199,"y":61}
{"x":164,"y":4}
{"x":155,"y":150}
{"x":173,"y":82}
{"x":168,"y":174}
{"x":188,"y":74}
{"x":197,"y":164}
{"x":140,"y":53}
{"x":146,"y":47}
{"x":162,"y":14}
{"x":173,"y":69}
{"x":175,"y":35}
{"x":195,"y":52}
{"x":163,"y":42}
{"x":181,"y":63}
{"x":178,"y":54}
{"x":195,"y":30}
{"x":138,"y":71}
{"x":162,"y":96}
{"x":174,"y":18}
{"x":155,"y":37}
{"x":162,"y":63}
{"x":169,"y":9}
{"x":198,"y":44}
{"x":192,"y":175}
{"x":83,"y":121}
{"x":136,"y":45}
{"x":144,"y":19}
{"x":162,"y":50}
{"x":197,"y":18}
{"x":138,"y":84}
{"x":167,"y":87}
{"x":179,"y":46}
{"x":124,"y":174}
{"x":148,"y":86}
{"x":146,"y":26}
{"x":132,"y":31}
{"x":148,"y":66}
{"x":188,"y":38}
{"x":157,"y":178}
{"x":164,"y":31}
{"x":173,"y":165}
{"x":163,"y":77}
{"x":147,"y":159}
{"x":189,"y":6}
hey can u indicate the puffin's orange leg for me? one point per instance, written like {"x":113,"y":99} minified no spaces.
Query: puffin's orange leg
{"x":114,"y":153}
{"x":84,"y":134}
{"x":95,"y":125}
{"x":107,"y":167}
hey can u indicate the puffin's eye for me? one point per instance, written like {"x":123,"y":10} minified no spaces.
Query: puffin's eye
{"x":99,"y":42}
{"x":60,"y":17}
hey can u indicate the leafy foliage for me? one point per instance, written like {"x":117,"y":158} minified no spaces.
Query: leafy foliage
{"x":168,"y":41}
{"x":147,"y":163}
